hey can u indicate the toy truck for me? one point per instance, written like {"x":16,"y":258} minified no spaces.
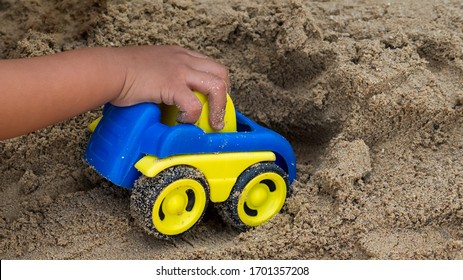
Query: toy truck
{"x":174,"y":170}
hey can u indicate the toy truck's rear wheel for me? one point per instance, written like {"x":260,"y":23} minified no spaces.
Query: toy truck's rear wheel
{"x":170,"y":203}
{"x":259,"y":193}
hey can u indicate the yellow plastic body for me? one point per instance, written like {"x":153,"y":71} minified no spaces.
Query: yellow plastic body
{"x":169,"y":113}
{"x":221,"y":170}
{"x":92,"y":126}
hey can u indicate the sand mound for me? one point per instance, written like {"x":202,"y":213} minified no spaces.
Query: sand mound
{"x":370,"y":95}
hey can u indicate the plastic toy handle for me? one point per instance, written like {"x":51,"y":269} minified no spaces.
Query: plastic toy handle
{"x":169,"y":113}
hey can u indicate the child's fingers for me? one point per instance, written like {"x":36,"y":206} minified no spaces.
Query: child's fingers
{"x":189,"y":106}
{"x":216,"y":90}
{"x":210,"y":66}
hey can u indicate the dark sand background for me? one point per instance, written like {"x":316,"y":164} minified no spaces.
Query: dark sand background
{"x":370,"y":94}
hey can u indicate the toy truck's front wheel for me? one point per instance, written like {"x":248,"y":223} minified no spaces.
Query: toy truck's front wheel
{"x":171,"y":202}
{"x":258,"y":194}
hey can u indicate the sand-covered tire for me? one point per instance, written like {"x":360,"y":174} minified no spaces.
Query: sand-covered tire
{"x":170,"y":203}
{"x":258,"y":194}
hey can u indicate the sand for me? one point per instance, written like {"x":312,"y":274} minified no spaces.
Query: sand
{"x":370,"y":94}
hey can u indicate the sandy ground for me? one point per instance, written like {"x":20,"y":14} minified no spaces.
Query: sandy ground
{"x":370,"y":94}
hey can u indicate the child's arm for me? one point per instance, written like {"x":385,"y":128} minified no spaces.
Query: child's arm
{"x":36,"y":92}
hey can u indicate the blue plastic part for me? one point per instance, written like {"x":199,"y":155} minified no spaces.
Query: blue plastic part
{"x":126,"y":134}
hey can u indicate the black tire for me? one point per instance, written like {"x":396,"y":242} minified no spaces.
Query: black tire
{"x":152,"y":196}
{"x":270,"y":180}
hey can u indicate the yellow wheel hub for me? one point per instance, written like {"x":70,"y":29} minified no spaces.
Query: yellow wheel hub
{"x":179,"y":206}
{"x":261,"y":198}
{"x":174,"y":204}
{"x":258,"y":195}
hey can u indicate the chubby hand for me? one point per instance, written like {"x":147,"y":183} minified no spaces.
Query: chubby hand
{"x":49,"y":89}
{"x":169,"y":74}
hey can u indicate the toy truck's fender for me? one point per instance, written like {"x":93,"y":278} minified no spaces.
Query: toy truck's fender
{"x":221,"y":170}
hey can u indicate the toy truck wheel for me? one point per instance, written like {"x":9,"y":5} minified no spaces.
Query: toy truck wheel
{"x":170,"y":203}
{"x":258,"y":194}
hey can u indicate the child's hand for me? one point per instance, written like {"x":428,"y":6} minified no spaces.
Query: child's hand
{"x":168,"y":74}
{"x":36,"y":92}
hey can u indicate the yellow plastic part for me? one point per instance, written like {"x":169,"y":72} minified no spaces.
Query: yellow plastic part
{"x":173,"y":203}
{"x":221,"y":170}
{"x":169,"y":113}
{"x":92,"y":126}
{"x":258,"y":197}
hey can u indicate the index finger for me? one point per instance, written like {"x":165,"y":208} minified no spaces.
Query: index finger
{"x":216,"y":90}
{"x":213,"y":67}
